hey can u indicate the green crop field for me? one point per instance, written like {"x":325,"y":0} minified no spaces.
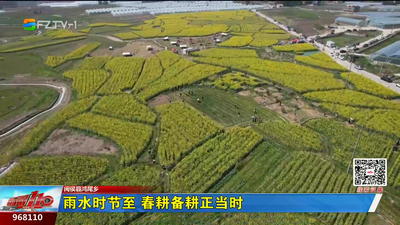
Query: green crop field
{"x":375,"y":69}
{"x":223,"y":103}
{"x":306,"y":21}
{"x":34,"y":60}
{"x":296,"y":13}
{"x":345,"y":40}
{"x":13,"y":31}
{"x":108,"y":30}
{"x":382,"y":45}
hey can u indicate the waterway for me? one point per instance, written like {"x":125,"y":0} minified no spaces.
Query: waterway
{"x":311,"y":53}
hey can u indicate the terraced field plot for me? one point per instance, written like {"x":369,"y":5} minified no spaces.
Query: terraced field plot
{"x":224,"y":105}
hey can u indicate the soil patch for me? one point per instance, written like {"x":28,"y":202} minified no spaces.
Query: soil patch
{"x":192,"y":42}
{"x":260,"y":89}
{"x":22,"y":75}
{"x":244,"y":93}
{"x":299,"y":103}
{"x":137,"y":48}
{"x":279,"y":108}
{"x":272,"y":89}
{"x":292,"y":117}
{"x":159,"y":100}
{"x":316,"y":104}
{"x":67,"y":142}
{"x":312,"y":113}
{"x":306,"y":27}
{"x":349,"y":125}
{"x":264,"y":100}
{"x":396,"y":100}
{"x":278,"y":95}
{"x":290,"y":113}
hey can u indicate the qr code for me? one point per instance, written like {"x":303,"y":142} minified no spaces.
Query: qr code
{"x":369,"y":172}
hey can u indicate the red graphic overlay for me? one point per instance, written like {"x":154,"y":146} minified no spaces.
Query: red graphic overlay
{"x":33,"y":200}
{"x":42,"y":218}
{"x":370,"y":190}
{"x":106,"y":189}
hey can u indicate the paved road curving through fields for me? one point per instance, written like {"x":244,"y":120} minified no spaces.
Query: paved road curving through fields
{"x":344,"y":63}
{"x":112,"y":38}
{"x":6,"y":169}
{"x":366,"y":74}
{"x":61,"y":99}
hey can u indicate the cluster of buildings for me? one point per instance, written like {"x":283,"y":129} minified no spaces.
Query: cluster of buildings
{"x":386,"y":15}
{"x":129,"y":8}
{"x":352,"y":8}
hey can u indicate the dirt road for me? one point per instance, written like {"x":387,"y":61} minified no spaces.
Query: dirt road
{"x":63,"y":99}
{"x":112,"y":38}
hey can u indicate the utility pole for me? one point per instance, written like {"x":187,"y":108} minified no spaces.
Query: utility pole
{"x":380,"y":71}
{"x":392,"y":28}
{"x":348,"y":74}
{"x":354,"y":151}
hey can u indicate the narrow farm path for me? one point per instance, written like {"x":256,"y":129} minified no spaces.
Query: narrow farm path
{"x":112,"y":38}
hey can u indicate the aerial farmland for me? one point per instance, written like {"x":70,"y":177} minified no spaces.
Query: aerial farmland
{"x":191,"y":101}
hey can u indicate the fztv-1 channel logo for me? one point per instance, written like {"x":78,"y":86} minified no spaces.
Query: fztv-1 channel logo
{"x":30,"y":198}
{"x":29,"y":24}
{"x":32,"y":24}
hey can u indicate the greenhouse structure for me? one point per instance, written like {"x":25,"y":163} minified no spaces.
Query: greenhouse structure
{"x":389,"y":54}
{"x":126,"y":8}
{"x":385,"y":23}
{"x":383,"y":20}
{"x":350,"y":21}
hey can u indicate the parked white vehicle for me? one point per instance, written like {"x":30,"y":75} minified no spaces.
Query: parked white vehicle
{"x":127,"y":54}
{"x":358,"y":67}
{"x":330,"y":44}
